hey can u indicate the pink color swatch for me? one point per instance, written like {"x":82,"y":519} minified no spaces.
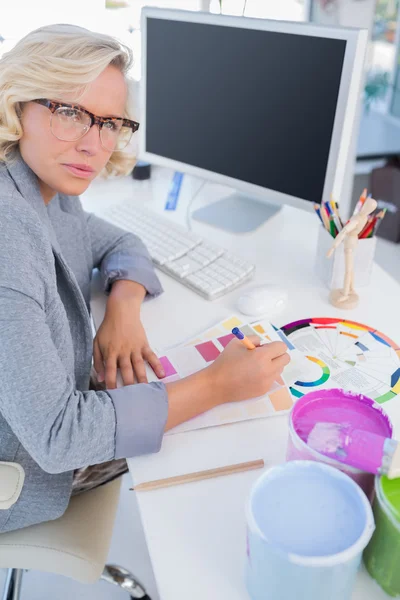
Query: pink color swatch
{"x":225,"y":339}
{"x":208,"y":350}
{"x":168,"y":368}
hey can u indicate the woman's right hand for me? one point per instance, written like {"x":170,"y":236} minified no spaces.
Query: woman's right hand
{"x":237,"y":374}
{"x":241,"y":374}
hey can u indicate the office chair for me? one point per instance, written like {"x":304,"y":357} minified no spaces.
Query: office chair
{"x":75,"y":545}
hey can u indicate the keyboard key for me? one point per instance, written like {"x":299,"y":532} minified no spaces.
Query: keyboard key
{"x":207,"y":269}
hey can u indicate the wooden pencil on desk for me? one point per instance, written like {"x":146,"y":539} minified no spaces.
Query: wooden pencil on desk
{"x":198,"y":476}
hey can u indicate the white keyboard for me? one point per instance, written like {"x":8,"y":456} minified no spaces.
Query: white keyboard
{"x":207,"y":269}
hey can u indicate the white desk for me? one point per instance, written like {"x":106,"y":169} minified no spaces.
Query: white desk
{"x":196,"y":532}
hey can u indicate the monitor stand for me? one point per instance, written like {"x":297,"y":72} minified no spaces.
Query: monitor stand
{"x":236,"y":213}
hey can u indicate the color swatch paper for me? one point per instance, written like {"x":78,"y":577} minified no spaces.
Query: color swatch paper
{"x":208,"y":351}
{"x":225,"y":339}
{"x":168,"y":368}
{"x":196,"y":355}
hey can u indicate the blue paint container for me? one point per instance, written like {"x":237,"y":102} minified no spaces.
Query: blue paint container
{"x":307,"y":526}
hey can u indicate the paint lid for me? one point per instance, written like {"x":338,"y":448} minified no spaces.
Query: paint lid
{"x":390,"y":494}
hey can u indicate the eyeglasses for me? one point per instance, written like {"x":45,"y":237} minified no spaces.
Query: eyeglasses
{"x":69,"y":122}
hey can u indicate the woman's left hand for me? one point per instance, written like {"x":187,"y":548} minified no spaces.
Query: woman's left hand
{"x":121,"y":340}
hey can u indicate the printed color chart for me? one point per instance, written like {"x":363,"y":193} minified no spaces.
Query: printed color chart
{"x":346,"y":354}
{"x":324,"y":352}
{"x":205,"y":348}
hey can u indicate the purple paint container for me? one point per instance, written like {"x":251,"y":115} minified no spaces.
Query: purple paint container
{"x":335,"y":406}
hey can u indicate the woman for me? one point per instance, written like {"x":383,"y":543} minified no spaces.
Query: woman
{"x":64,"y":118}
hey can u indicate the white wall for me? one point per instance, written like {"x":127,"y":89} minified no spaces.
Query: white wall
{"x":347,"y":13}
{"x":22,"y":16}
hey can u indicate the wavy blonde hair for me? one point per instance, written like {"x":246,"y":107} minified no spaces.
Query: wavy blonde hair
{"x":50,"y":61}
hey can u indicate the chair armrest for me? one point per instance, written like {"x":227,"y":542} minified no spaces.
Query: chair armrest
{"x":12,"y":477}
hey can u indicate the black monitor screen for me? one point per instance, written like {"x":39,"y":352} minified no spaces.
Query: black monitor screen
{"x":254,"y":105}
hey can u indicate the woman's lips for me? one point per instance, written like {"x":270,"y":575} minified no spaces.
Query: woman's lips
{"x":79,"y":170}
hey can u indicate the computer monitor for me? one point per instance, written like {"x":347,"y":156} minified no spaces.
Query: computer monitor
{"x":266,"y":107}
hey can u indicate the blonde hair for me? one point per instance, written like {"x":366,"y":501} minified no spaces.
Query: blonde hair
{"x":50,"y":61}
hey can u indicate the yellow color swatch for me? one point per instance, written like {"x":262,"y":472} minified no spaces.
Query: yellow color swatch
{"x":212,"y":333}
{"x":281,"y":399}
{"x":353,"y":325}
{"x":259,"y":328}
{"x":233,"y":322}
{"x":396,"y":388}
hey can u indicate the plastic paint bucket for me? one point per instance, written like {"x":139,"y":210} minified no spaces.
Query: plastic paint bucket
{"x":382,"y":556}
{"x":307,"y":526}
{"x":335,"y":406}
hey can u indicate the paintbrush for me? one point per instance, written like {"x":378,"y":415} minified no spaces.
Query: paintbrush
{"x":354,"y":447}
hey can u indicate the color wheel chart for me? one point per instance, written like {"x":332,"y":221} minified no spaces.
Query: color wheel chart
{"x":345,"y":354}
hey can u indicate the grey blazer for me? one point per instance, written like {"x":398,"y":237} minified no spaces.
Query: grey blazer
{"x":50,"y":422}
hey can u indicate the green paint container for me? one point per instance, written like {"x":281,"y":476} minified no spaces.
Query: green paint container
{"x":382,"y":555}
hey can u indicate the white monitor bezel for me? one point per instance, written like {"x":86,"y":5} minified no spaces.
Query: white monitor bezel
{"x":346,"y":110}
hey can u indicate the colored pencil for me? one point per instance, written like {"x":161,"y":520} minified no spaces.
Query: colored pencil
{"x":335,"y":209}
{"x":379,"y":220}
{"x":325,"y":218}
{"x":333,"y":228}
{"x":369,"y":227}
{"x":328,"y":209}
{"x":317,"y":210}
{"x":198,"y":476}
{"x":361,"y":201}
{"x":243,"y":338}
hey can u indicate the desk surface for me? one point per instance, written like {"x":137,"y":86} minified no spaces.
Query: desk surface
{"x":379,"y":136}
{"x":196,"y":532}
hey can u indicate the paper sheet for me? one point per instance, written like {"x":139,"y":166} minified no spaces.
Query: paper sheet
{"x":204,"y":348}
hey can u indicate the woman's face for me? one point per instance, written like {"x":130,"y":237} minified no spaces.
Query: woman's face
{"x":49,"y":157}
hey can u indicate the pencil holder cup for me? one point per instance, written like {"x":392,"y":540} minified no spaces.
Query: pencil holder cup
{"x":332,"y":270}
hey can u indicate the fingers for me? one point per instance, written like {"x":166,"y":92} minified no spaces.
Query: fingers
{"x":139,"y":368}
{"x":275,"y":349}
{"x":98,"y":361}
{"x":111,"y":372}
{"x":254,"y":339}
{"x":280,"y":362}
{"x":153,"y":361}
{"x":126,"y":368}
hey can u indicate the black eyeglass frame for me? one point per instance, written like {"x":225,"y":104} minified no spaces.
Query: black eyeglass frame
{"x":94,"y":119}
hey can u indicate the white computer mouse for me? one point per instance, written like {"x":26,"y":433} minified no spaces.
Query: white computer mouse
{"x":268,"y":300}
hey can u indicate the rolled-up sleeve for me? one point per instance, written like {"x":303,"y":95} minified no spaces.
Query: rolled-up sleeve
{"x":141,"y":414}
{"x":119,"y":254}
